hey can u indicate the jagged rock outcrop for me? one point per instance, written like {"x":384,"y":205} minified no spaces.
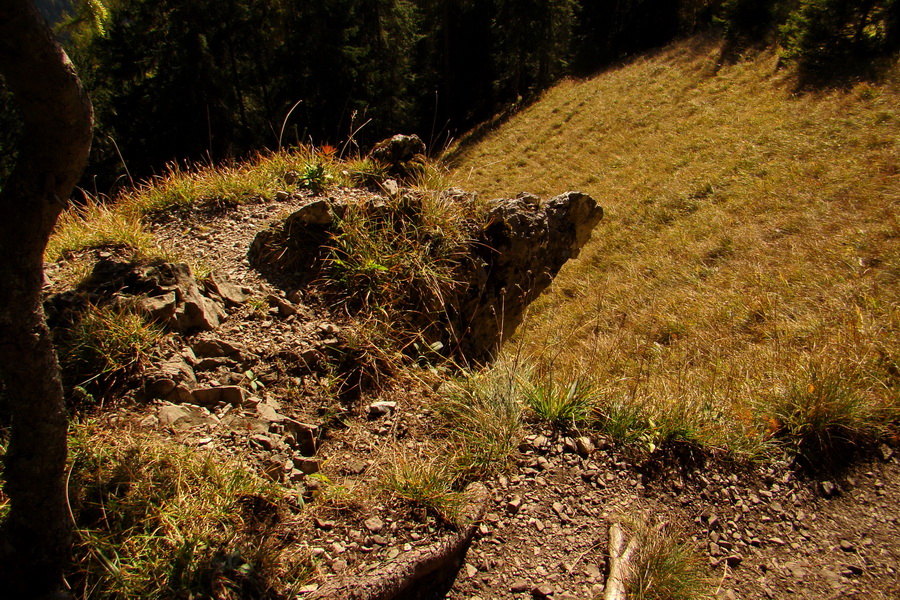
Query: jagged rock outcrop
{"x":524,"y":244}
{"x":166,"y":293}
{"x":511,"y":254}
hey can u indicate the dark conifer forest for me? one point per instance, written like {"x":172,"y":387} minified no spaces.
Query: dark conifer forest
{"x":212,"y":80}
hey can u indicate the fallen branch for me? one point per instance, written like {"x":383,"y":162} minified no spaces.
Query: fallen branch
{"x":619,"y":563}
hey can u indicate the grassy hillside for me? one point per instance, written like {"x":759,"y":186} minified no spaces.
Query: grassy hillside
{"x":745,"y":282}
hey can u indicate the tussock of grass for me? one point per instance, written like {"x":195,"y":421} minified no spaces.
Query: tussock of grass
{"x":828,"y":412}
{"x":749,"y":231}
{"x":96,"y":224}
{"x":563,"y":406}
{"x":157,"y":520}
{"x":664,"y":567}
{"x":429,"y":482}
{"x":107,"y":342}
{"x":483,"y":417}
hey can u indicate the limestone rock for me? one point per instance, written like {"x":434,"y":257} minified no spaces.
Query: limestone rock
{"x":226,"y":394}
{"x":516,"y":256}
{"x":227,"y":291}
{"x":398,"y":151}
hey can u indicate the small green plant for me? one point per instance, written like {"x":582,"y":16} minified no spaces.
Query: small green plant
{"x":315,"y":177}
{"x":259,"y":306}
{"x":561,"y":406}
{"x":253,"y":381}
{"x":664,"y":567}
{"x":428,"y":482}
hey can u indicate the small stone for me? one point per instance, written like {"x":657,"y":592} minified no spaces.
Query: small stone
{"x":171,"y":414}
{"x":323,"y":524}
{"x":519,"y":586}
{"x":355,"y":467}
{"x":592,"y":572}
{"x":226,"y":394}
{"x":381,"y":409}
{"x":267,"y":413}
{"x":833,"y":578}
{"x":734,"y":560}
{"x":308,"y":588}
{"x":796,"y":570}
{"x":828,"y":488}
{"x":471,"y":571}
{"x":886,"y":452}
{"x":542,"y":592}
{"x":847,"y":546}
{"x":262,"y":441}
{"x":514,"y":505}
{"x":569,"y":445}
{"x":339,"y":565}
{"x":584,"y":446}
{"x":390,"y":187}
{"x":393,"y":553}
{"x":307,"y":465}
{"x":374,"y":524}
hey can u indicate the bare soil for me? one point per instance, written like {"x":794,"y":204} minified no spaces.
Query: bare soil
{"x":764,"y":530}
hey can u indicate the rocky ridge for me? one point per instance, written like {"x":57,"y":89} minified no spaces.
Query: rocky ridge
{"x":258,"y":385}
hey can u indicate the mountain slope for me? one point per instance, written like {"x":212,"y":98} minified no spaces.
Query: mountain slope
{"x":744,"y":281}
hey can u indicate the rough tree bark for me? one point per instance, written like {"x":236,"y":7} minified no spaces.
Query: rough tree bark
{"x":57,"y":119}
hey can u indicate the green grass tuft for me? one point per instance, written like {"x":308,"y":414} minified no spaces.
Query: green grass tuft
{"x":157,"y":520}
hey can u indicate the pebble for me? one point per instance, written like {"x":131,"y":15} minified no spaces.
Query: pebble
{"x":519,"y":586}
{"x":374,"y":524}
{"x":828,"y":488}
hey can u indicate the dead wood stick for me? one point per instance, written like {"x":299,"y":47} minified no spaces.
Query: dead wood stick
{"x":619,"y":563}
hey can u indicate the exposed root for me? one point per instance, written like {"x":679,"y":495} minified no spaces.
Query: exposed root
{"x":416,"y":574}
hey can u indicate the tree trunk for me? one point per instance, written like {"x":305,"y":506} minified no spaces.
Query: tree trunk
{"x":57,"y":119}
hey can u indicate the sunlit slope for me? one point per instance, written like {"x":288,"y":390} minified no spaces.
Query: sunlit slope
{"x":746,"y":274}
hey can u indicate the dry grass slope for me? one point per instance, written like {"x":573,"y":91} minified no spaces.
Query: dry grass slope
{"x":744,"y":286}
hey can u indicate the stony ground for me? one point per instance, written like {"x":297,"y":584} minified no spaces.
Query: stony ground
{"x":763,"y":530}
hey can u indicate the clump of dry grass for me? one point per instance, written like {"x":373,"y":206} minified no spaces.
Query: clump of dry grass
{"x":428,"y":481}
{"x":665,"y":567}
{"x":750,"y":232}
